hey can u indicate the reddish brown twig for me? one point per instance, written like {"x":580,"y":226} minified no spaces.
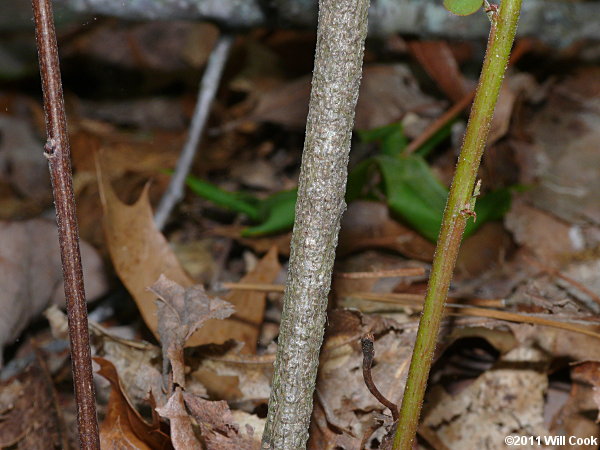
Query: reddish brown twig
{"x":368,"y":356}
{"x":57,"y":152}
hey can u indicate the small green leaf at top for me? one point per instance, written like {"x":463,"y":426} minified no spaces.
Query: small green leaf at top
{"x":463,"y":7}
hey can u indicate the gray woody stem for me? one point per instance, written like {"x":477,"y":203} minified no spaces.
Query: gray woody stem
{"x":341,"y":32}
{"x":206,"y":94}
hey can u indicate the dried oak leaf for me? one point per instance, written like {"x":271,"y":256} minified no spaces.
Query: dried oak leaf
{"x":219,"y":427}
{"x":140,"y":254}
{"x":182,"y":432}
{"x":123,"y":428}
{"x":181,"y":311}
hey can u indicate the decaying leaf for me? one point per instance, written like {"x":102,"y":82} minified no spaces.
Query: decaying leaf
{"x":31,"y":274}
{"x":182,"y":311}
{"x":575,"y":417}
{"x":237,"y":377}
{"x":439,"y":62}
{"x":507,"y":400}
{"x":20,"y":162}
{"x":220,"y":429}
{"x":566,"y":136}
{"x":137,"y":362}
{"x":30,"y":415}
{"x":182,"y":432}
{"x":123,"y":428}
{"x":551,"y":240}
{"x":589,"y":372}
{"x":244,"y":325}
{"x":139,"y":251}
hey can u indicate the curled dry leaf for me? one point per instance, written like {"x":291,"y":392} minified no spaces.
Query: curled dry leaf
{"x":31,"y":274}
{"x":182,"y":432}
{"x":182,"y":311}
{"x":220,"y":429}
{"x":123,"y":428}
{"x":140,"y":254}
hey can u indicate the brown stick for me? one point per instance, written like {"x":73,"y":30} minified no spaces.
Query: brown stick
{"x":57,"y":152}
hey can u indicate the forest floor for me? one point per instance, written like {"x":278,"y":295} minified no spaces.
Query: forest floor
{"x":518,"y":354}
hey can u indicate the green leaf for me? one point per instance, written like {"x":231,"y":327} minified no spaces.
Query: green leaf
{"x":358,"y":179}
{"x":463,"y":7}
{"x":277,"y":214}
{"x":392,"y":138}
{"x":413,"y":193}
{"x":231,"y":200}
{"x":416,"y":196}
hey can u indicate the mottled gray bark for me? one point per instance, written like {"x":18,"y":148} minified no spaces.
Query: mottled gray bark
{"x":341,"y":34}
{"x":555,"y":22}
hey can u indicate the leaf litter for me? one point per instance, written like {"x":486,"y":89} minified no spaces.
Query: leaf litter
{"x":189,"y":365}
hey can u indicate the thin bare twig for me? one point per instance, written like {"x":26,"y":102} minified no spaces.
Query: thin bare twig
{"x":206,"y":94}
{"x":58,"y":154}
{"x":368,"y":356}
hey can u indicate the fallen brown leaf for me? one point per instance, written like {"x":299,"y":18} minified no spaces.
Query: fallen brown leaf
{"x":387,"y":92}
{"x":368,"y":225}
{"x":566,"y":137}
{"x":31,"y":274}
{"x":218,"y":426}
{"x":182,"y":432}
{"x":245,"y":323}
{"x":140,"y":254}
{"x":123,"y":428}
{"x":508,"y":400}
{"x":30,"y":415}
{"x":550,"y":239}
{"x":139,"y":251}
{"x":236,"y":377}
{"x":589,"y":372}
{"x":182,"y":311}
{"x":437,"y":59}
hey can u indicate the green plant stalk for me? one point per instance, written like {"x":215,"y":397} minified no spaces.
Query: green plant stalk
{"x":460,"y":203}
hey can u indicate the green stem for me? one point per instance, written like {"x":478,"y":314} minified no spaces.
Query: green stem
{"x":460,"y":203}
